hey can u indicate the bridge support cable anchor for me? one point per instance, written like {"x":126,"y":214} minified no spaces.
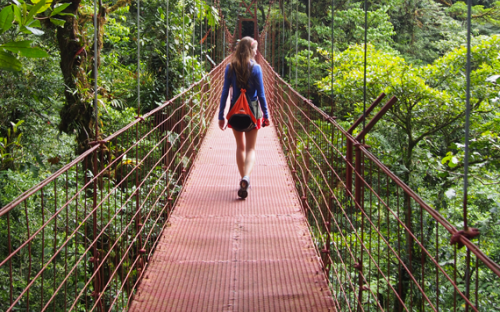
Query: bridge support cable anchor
{"x":469,"y":234}
{"x":363,"y":133}
{"x":368,"y":111}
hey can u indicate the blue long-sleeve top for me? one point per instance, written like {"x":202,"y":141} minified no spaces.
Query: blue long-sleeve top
{"x":255,"y":90}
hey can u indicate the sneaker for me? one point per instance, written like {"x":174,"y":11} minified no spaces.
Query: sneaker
{"x":244,"y":184}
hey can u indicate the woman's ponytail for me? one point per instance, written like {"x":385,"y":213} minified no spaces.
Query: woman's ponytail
{"x":240,"y":62}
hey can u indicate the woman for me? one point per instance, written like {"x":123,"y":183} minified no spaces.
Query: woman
{"x":244,"y":73}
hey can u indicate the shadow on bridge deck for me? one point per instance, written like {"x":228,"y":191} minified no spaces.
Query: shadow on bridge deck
{"x":220,"y":253}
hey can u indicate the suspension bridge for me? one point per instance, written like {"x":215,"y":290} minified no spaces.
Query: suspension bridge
{"x":148,"y":219}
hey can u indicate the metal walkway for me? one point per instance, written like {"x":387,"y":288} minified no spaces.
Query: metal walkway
{"x":220,"y":253}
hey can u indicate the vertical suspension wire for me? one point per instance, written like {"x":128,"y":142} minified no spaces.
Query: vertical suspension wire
{"x":223,"y":33}
{"x":193,"y":35}
{"x":96,"y":36}
{"x":365,"y":62}
{"x":265,"y":47}
{"x":94,"y":158}
{"x":309,"y":49}
{"x":467,"y":112}
{"x":201,"y":34}
{"x":212,"y":38}
{"x":138,"y":57}
{"x":283,"y":45}
{"x":137,"y":197}
{"x":277,"y":38}
{"x":333,"y":64}
{"x":289,"y":38}
{"x":168,"y":49}
{"x":273,"y":45}
{"x":296,"y":44}
{"x":183,"y":47}
{"x":466,"y":156}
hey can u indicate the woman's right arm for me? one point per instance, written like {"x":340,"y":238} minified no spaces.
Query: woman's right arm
{"x":225,"y":93}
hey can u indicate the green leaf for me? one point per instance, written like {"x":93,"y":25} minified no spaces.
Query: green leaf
{"x":25,"y":49}
{"x":24,"y":12}
{"x":59,"y":8}
{"x":35,"y":31}
{"x":35,"y":23}
{"x":453,"y":162}
{"x":18,"y":44}
{"x":34,"y":10}
{"x":17,"y":14}
{"x":9,"y":62}
{"x":6,"y":18}
{"x":44,"y":7}
{"x":35,"y":52}
{"x":57,"y":22}
{"x":67,"y":14}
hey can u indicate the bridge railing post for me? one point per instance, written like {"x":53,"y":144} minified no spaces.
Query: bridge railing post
{"x":325,"y":253}
{"x":349,"y":144}
{"x":348,"y":170}
{"x":305,"y":178}
{"x":359,"y":208}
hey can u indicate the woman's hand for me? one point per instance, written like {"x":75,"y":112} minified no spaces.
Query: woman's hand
{"x":222,"y":124}
{"x":266,"y":122}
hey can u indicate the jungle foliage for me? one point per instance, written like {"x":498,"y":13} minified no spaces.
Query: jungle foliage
{"x":416,"y":52}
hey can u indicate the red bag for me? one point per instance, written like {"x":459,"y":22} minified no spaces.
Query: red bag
{"x":240,"y":116}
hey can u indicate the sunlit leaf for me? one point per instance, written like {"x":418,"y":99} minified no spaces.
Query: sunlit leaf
{"x":35,"y":9}
{"x":35,"y":31}
{"x":493,"y":78}
{"x":43,"y":8}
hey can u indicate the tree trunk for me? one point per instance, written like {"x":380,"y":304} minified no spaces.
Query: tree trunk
{"x":77,"y":59}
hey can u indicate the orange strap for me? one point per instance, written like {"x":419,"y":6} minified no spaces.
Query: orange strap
{"x":241,"y":107}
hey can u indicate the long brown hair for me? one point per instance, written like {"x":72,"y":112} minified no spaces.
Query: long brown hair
{"x":241,"y":60}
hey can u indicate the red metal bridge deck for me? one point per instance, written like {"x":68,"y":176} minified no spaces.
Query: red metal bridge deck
{"x":220,"y":253}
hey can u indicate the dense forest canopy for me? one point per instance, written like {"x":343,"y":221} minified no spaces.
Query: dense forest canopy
{"x":416,"y":51}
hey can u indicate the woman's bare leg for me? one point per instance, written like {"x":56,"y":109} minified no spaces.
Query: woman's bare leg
{"x":245,"y":151}
{"x":240,"y":151}
{"x":251,"y":139}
